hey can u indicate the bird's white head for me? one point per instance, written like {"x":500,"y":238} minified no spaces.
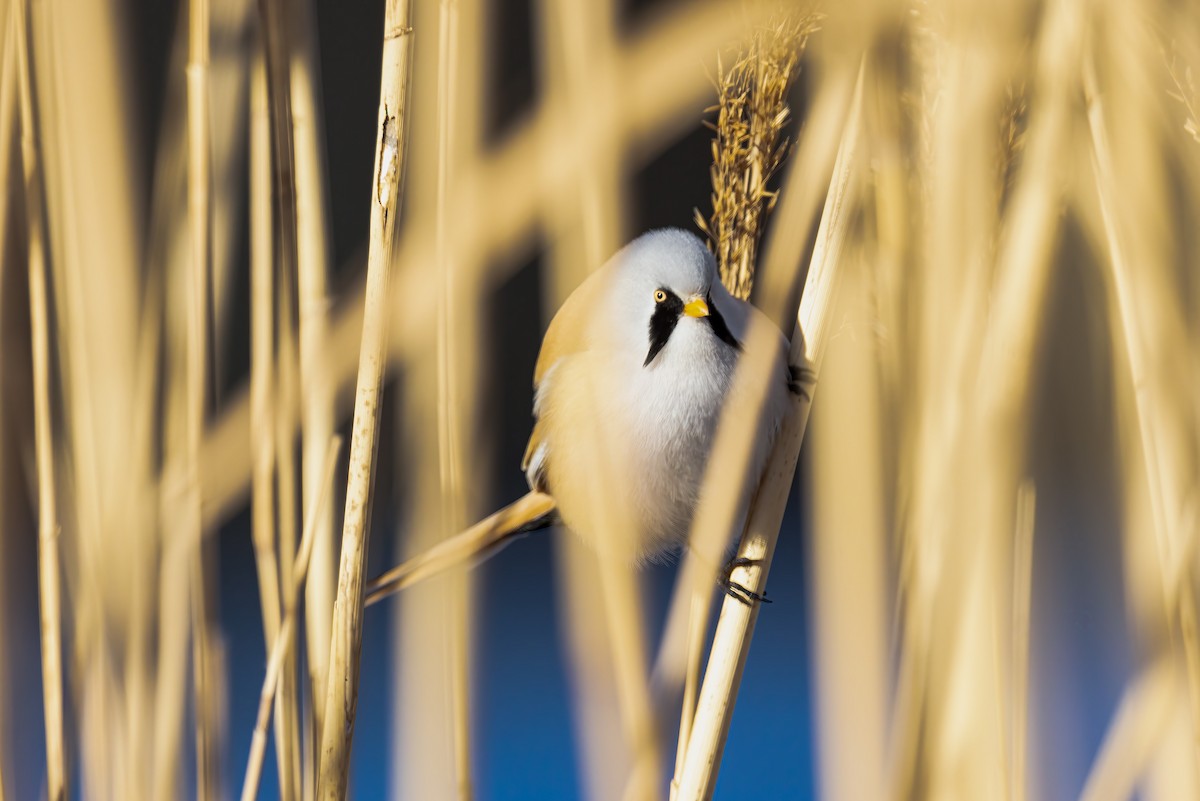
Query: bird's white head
{"x":665,"y":291}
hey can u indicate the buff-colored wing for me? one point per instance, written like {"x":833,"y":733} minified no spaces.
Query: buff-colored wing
{"x":567,"y":335}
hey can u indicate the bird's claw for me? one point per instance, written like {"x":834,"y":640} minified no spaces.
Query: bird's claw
{"x":738,"y":591}
{"x":797,"y":378}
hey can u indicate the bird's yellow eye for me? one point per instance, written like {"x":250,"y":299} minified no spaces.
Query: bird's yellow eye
{"x":659,"y":296}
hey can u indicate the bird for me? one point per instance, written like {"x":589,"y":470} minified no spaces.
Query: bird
{"x":629,"y":385}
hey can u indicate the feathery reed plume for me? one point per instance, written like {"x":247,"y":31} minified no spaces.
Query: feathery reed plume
{"x":341,"y":697}
{"x":48,"y":542}
{"x":1185,"y":90}
{"x":749,"y":147}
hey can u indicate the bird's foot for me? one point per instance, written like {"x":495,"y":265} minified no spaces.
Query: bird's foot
{"x":798,"y":377}
{"x":738,"y":591}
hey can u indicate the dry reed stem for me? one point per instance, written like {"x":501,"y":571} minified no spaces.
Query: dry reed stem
{"x":262,"y":363}
{"x":848,"y":556}
{"x":697,"y":629}
{"x":287,"y":708}
{"x":93,"y":196}
{"x":450,"y":449}
{"x":752,"y":113}
{"x":479,"y":541}
{"x":9,"y":120}
{"x":85,"y":165}
{"x":716,"y":518}
{"x":200,"y":218}
{"x":50,"y":606}
{"x":1133,"y":733}
{"x":1163,"y":413}
{"x":749,"y":146}
{"x":346,"y":638}
{"x":587,"y":225}
{"x":312,"y":257}
{"x":282,"y":645}
{"x":950,"y":671}
{"x":9,"y":123}
{"x":657,"y":106}
{"x":584,"y":224}
{"x":277,"y":51}
{"x":1022,"y":592}
{"x":735,"y":626}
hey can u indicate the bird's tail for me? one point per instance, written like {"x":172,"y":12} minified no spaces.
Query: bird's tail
{"x":532,"y":512}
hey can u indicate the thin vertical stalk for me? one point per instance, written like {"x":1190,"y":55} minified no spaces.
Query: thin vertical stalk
{"x":262,"y":391}
{"x":312,"y":257}
{"x":1022,"y":592}
{"x":341,"y":698}
{"x":285,"y":455}
{"x":200,"y":217}
{"x":846,"y":557}
{"x":283,"y":644}
{"x":279,"y":99}
{"x":10,"y":119}
{"x":697,"y":628}
{"x":48,"y":568}
{"x":448,"y":405}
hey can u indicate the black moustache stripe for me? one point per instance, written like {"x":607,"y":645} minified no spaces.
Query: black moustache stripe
{"x":719,"y":327}
{"x":662,"y":323}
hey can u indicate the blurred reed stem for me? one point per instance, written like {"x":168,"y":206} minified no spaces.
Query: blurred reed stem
{"x":696,"y":635}
{"x":283,"y":644}
{"x":277,"y":52}
{"x":449,"y":403}
{"x":316,"y":388}
{"x":283,"y":420}
{"x":207,"y":709}
{"x":1022,"y":599}
{"x":262,"y":371}
{"x":10,"y":121}
{"x":9,"y":124}
{"x":1163,"y":413}
{"x":346,"y":638}
{"x":39,"y":323}
{"x":1134,"y":733}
